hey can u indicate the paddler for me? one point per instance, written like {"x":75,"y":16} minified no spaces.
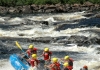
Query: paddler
{"x":31,"y":50}
{"x":47,"y":56}
{"x":55,"y":65}
{"x":85,"y":67}
{"x":69,"y":60}
{"x":34,"y":62}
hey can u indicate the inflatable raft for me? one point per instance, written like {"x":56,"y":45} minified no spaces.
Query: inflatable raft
{"x":18,"y":63}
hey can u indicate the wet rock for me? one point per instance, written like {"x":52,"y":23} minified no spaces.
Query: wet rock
{"x":88,"y":4}
{"x":98,"y":41}
{"x":49,"y":8}
{"x":26,"y":9}
{"x":11,"y":10}
{"x":34,"y":7}
{"x":89,"y":15}
{"x":97,"y":15}
{"x":3,"y":10}
{"x":21,"y":34}
{"x":45,"y":23}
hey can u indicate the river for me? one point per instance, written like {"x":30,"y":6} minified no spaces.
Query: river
{"x":70,"y":34}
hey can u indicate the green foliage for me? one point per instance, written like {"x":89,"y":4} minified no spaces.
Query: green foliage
{"x":29,"y":2}
{"x":95,"y":1}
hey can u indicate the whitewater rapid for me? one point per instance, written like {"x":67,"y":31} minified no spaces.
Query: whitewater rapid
{"x":26,"y":27}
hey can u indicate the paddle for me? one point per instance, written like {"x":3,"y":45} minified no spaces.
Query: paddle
{"x":18,"y":45}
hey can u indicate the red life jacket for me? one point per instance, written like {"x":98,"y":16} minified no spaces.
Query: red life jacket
{"x":32,"y":62}
{"x":69,"y":67}
{"x":55,"y":66}
{"x":29,"y":52}
{"x":70,"y":62}
{"x":58,"y":65}
{"x":46,"y":55}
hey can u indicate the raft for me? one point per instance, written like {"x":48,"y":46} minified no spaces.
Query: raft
{"x":18,"y":63}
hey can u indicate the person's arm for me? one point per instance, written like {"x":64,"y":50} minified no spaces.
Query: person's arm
{"x":35,"y":63}
{"x":49,"y":66}
{"x":50,"y":55}
{"x":42,"y":54}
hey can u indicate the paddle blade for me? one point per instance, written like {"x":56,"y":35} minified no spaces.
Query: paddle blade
{"x":18,"y":45}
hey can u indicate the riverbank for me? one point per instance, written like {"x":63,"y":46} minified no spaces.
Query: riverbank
{"x":48,"y":8}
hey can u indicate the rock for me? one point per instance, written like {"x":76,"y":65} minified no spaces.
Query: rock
{"x":88,"y":3}
{"x":49,"y":8}
{"x":3,"y":10}
{"x":26,"y":9}
{"x":88,"y":15}
{"x":11,"y":10}
{"x":34,"y":7}
{"x":45,"y":22}
{"x":97,"y":15}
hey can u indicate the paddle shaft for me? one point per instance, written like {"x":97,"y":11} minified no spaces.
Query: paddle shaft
{"x":18,"y":45}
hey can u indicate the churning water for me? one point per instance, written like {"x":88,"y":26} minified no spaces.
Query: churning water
{"x":70,"y":34}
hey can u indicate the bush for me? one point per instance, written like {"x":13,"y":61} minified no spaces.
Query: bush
{"x":29,"y":2}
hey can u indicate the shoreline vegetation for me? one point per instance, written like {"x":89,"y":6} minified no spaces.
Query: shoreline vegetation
{"x":43,"y":2}
{"x":48,"y":6}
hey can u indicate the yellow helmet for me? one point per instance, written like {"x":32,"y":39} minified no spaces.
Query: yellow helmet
{"x":65,"y":64}
{"x":31,"y":46}
{"x":66,"y":57}
{"x":34,"y":56}
{"x":46,"y":49}
{"x":54,"y":60}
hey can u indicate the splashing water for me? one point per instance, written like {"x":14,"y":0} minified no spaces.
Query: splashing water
{"x":82,"y":55}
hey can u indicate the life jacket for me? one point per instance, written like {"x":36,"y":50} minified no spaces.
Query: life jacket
{"x":70,"y":67}
{"x":32,"y":62}
{"x":65,"y":69}
{"x":70,"y":62}
{"x":29,"y":52}
{"x":46,"y":55}
{"x":58,"y":66}
{"x":55,"y":66}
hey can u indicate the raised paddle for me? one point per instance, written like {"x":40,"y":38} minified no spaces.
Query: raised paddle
{"x":18,"y":45}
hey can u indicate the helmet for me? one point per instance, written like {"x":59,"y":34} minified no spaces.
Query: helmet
{"x":66,"y":57}
{"x":85,"y":66}
{"x":65,"y":64}
{"x":46,"y":49}
{"x":31,"y":46}
{"x":34,"y":56}
{"x":54,"y":60}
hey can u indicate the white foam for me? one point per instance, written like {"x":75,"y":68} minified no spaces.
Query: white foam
{"x":91,"y":64}
{"x":40,"y":32}
{"x":5,"y":65}
{"x":16,"y":19}
{"x":1,"y":20}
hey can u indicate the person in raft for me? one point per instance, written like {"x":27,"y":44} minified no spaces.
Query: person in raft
{"x":69,"y":60}
{"x":31,"y":50}
{"x":55,"y":65}
{"x":46,"y":56}
{"x":66,"y":66}
{"x":84,"y":68}
{"x":34,"y":62}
